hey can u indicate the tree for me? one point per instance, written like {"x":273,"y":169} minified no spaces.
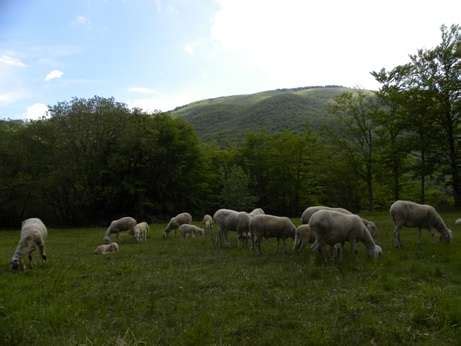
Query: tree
{"x":357,"y":113}
{"x":438,"y":72}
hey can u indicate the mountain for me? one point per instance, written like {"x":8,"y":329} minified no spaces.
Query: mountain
{"x":225,"y":120}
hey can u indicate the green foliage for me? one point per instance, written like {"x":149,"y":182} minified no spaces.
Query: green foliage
{"x":226,"y":120}
{"x":235,"y":193}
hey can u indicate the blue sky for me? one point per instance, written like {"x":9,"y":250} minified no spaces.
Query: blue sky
{"x":159,"y":54}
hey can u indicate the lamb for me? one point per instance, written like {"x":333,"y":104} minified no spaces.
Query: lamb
{"x":208,"y":223}
{"x":105,"y":249}
{"x":333,"y":227}
{"x":175,"y":222}
{"x":123,"y":224}
{"x":269,"y":226}
{"x":141,"y":230}
{"x":411,"y":214}
{"x":227,"y":220}
{"x":33,"y":236}
{"x":303,"y":235}
{"x":188,"y":230}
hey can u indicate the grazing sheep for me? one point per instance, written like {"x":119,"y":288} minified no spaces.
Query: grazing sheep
{"x":33,"y":236}
{"x":227,"y":220}
{"x":411,"y":214}
{"x":191,"y":230}
{"x":208,"y":223}
{"x":307,"y":214}
{"x":105,"y":249}
{"x":175,"y":222}
{"x":141,"y":230}
{"x":269,"y":226}
{"x":303,"y":235}
{"x":123,"y":224}
{"x":332,"y":228}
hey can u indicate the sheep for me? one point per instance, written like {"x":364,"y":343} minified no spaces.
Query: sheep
{"x":307,"y":214}
{"x":332,"y":227}
{"x":414,"y":215}
{"x":303,"y":235}
{"x":105,"y":249}
{"x":175,"y":222}
{"x":33,"y":236}
{"x":208,"y":222}
{"x":141,"y":230}
{"x":123,"y":224}
{"x":188,"y":230}
{"x":243,"y":228}
{"x":458,"y":221}
{"x":227,"y":220}
{"x":269,"y":226}
{"x":257,"y":211}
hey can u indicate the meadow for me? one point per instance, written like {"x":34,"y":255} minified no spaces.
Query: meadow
{"x":186,"y":292}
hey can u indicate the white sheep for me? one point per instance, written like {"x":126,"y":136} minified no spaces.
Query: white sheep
{"x":269,"y":226}
{"x":175,"y":222}
{"x":332,"y":228}
{"x":105,"y":249}
{"x":458,"y":221}
{"x":208,"y":223}
{"x":33,"y":236}
{"x":227,"y":220}
{"x":307,"y":214}
{"x":141,"y":230}
{"x":123,"y":224}
{"x":257,"y":211}
{"x":303,"y":235}
{"x":188,"y":230}
{"x":414,"y":215}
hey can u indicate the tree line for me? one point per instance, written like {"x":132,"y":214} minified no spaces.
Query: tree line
{"x":95,"y":159}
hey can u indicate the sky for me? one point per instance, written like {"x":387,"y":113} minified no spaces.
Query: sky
{"x":160,"y":54}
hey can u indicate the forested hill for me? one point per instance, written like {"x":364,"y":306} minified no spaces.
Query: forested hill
{"x":227,"y":119}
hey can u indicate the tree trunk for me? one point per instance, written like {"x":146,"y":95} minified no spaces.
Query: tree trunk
{"x":423,"y":176}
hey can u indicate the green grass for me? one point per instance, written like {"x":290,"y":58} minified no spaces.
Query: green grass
{"x":185,"y":292}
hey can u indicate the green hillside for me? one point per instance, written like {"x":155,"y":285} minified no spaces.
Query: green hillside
{"x":227,"y":119}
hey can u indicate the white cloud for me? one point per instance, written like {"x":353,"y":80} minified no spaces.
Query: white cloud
{"x":81,"y":20}
{"x":55,"y":74}
{"x":298,"y":42}
{"x":189,"y":48}
{"x":11,"y":61}
{"x":142,"y":90}
{"x":9,"y":97}
{"x":36,"y":111}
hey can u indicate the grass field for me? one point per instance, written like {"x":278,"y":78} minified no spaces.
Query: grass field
{"x":185,"y":292}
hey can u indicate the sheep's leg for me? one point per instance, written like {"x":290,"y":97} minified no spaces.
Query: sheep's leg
{"x":397,"y":236}
{"x":354,"y":247}
{"x":285,"y":245}
{"x":30,"y":259}
{"x":41,"y":249}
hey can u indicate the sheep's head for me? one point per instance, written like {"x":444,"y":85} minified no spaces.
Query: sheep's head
{"x":114,"y":247}
{"x":375,"y":251}
{"x":16,"y":264}
{"x":447,"y":235}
